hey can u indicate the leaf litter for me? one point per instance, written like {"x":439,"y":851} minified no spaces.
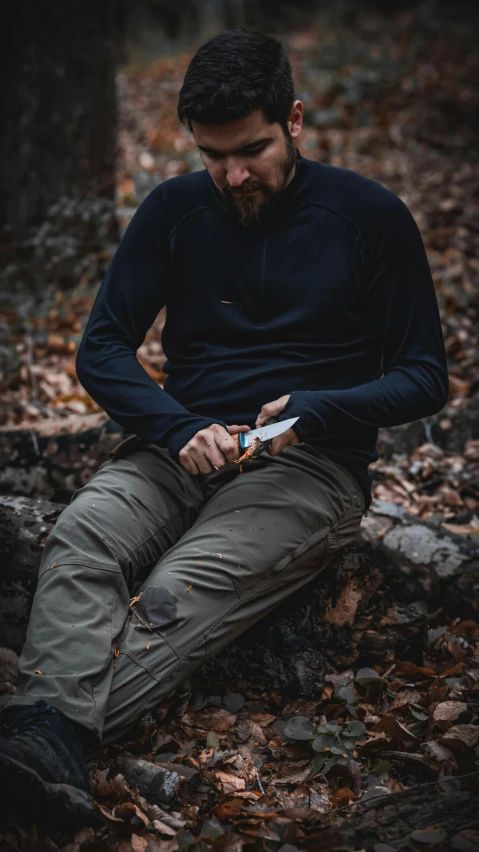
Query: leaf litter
{"x":268,"y":770}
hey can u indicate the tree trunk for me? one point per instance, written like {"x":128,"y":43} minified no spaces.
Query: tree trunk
{"x":58,"y":136}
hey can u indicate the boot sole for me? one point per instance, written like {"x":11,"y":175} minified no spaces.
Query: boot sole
{"x":27,"y":793}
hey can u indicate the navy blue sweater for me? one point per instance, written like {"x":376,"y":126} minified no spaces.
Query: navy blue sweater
{"x":331,"y":301}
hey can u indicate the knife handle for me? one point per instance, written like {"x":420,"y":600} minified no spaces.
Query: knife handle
{"x":239,"y":441}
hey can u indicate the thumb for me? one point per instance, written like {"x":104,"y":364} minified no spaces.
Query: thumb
{"x":235,"y":430}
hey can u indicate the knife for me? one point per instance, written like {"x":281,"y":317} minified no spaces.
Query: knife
{"x":258,"y":439}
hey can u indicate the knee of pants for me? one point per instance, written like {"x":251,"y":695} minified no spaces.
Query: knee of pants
{"x":79,"y":537}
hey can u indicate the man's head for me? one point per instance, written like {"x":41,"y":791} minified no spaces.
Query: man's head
{"x":238,"y":100}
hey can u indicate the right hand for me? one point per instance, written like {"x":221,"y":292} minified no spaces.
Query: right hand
{"x":210,"y":449}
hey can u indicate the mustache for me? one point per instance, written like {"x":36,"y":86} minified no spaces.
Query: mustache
{"x":247,"y":186}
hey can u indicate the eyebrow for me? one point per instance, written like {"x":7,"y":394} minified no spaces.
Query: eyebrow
{"x":243,"y":150}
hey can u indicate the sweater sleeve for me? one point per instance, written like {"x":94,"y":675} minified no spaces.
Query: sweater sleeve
{"x":130,"y":297}
{"x":401,"y":313}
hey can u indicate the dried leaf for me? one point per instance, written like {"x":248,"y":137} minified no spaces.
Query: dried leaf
{"x":291,"y":774}
{"x":228,"y":782}
{"x":460,"y":737}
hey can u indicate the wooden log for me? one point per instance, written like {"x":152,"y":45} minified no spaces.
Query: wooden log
{"x":55,"y":457}
{"x":450,"y":816}
{"x":358,"y":611}
{"x":58,"y":455}
{"x":346,"y":616}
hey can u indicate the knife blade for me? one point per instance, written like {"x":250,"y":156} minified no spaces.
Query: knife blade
{"x":264,"y":433}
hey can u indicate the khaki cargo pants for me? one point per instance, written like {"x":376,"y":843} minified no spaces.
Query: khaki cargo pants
{"x":213,"y":553}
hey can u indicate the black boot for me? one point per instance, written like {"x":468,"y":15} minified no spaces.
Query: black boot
{"x":42,"y":771}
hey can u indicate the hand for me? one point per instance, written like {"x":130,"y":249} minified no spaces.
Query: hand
{"x":273,"y":409}
{"x":210,"y":449}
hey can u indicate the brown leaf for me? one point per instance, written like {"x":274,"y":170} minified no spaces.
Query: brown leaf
{"x":229,"y":809}
{"x":404,"y":698}
{"x":393,"y":728}
{"x":406,"y":667}
{"x":246,"y":728}
{"x":228,"y":843}
{"x":460,"y":737}
{"x":435,"y":751}
{"x":447,"y":712}
{"x":341,"y":797}
{"x":263,"y":719}
{"x":138,"y":844}
{"x":227,"y":782}
{"x":291,"y":774}
{"x":211,"y":719}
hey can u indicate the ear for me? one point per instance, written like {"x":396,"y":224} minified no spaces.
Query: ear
{"x":295,"y":120}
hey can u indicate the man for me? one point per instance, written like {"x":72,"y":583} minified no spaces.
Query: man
{"x":292,"y":289}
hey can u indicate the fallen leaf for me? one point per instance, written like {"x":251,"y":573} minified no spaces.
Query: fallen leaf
{"x":228,"y":782}
{"x":447,"y":712}
{"x":393,"y":728}
{"x":460,"y":737}
{"x":291,"y":774}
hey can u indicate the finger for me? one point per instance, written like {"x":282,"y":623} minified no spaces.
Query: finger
{"x":229,"y":447}
{"x":272,"y":409}
{"x":235,"y":430}
{"x":188,"y":464}
{"x":202,"y":463}
{"x":276,"y":445}
{"x":287,"y":439}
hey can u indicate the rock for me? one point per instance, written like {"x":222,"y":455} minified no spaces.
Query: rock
{"x":157,"y":784}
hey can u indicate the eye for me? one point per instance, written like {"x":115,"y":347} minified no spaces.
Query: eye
{"x":256,"y":151}
{"x":212,"y":156}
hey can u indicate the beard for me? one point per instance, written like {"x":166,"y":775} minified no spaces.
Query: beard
{"x":251,"y":211}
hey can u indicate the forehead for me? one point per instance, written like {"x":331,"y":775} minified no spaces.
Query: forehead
{"x":234,"y":134}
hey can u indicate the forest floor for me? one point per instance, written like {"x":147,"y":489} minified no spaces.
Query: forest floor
{"x":395,"y":99}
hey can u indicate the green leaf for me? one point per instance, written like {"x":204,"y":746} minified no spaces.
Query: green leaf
{"x":299,"y":728}
{"x":355,"y":728}
{"x":329,"y":728}
{"x":366,"y":674}
{"x":324,"y":743}
{"x":381,"y":768}
{"x":347,"y":695}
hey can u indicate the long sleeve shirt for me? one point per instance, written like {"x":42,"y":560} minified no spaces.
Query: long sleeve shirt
{"x":331,"y":300}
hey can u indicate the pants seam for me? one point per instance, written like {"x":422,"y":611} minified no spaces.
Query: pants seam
{"x":108,"y":663}
{"x":113,"y":568}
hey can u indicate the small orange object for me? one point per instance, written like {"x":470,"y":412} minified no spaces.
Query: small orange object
{"x":37,"y":671}
{"x":189,"y":588}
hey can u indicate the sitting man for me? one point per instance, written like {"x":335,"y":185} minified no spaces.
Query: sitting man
{"x":293,"y":290}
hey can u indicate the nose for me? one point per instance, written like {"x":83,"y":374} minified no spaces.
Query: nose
{"x":236,"y":173}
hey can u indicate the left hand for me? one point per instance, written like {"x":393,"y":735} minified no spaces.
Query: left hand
{"x":274,"y":409}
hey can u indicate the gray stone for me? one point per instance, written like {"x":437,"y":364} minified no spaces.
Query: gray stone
{"x":422,"y":546}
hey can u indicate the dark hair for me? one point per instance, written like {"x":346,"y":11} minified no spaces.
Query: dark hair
{"x":233,"y":74}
